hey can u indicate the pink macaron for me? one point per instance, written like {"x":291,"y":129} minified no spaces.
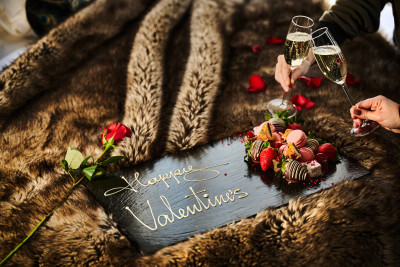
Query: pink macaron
{"x":282,"y":149}
{"x":297,"y":137}
{"x":306,"y":154}
{"x":277,"y":142}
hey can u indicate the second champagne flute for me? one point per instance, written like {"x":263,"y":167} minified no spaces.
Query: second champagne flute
{"x":333,"y":65}
{"x":297,"y":44}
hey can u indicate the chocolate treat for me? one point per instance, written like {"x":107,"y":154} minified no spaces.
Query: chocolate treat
{"x":256,"y":151}
{"x":295,"y":172}
{"x":266,"y":133}
{"x":312,"y":144}
{"x":292,"y":152}
{"x":279,"y":124}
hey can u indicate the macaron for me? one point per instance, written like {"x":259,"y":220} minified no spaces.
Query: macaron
{"x":295,"y":172}
{"x":278,"y":140}
{"x":282,"y":149}
{"x":279,"y":124}
{"x":297,"y":137}
{"x":306,"y":154}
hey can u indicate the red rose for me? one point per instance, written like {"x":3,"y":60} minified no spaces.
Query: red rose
{"x":256,"y":84}
{"x":118,"y":130}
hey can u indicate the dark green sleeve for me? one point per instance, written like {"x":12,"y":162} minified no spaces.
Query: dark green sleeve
{"x":354,"y":16}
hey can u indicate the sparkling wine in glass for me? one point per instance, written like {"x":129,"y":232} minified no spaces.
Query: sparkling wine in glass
{"x":297,"y":45}
{"x":333,"y":65}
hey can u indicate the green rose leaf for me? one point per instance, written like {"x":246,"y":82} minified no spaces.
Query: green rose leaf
{"x":64,"y":165}
{"x":99,"y":171}
{"x":74,"y":158}
{"x":84,"y":161}
{"x":89,"y":171}
{"x":111,"y":160}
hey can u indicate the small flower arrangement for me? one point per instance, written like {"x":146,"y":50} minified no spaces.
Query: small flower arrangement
{"x":79,"y":167}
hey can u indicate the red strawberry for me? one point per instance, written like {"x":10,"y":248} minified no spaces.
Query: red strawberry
{"x":277,"y":145}
{"x":266,"y":157}
{"x":295,"y":126}
{"x":328,"y":150}
{"x":323,"y":160}
{"x":250,"y":134}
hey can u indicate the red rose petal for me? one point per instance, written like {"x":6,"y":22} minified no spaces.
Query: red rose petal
{"x":305,"y":79}
{"x":311,"y":81}
{"x":256,"y":48}
{"x":301,"y":102}
{"x":256,"y":84}
{"x":309,"y":104}
{"x":350,"y":79}
{"x":273,"y":40}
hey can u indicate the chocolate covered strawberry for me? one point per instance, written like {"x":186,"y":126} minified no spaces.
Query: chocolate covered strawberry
{"x":328,"y":150}
{"x":266,"y":157}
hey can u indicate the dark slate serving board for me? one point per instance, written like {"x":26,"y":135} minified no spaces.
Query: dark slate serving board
{"x":162,"y":202}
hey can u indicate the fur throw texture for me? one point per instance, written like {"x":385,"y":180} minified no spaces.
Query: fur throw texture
{"x":176,"y":73}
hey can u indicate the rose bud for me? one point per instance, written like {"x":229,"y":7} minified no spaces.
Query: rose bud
{"x":116,"y":129}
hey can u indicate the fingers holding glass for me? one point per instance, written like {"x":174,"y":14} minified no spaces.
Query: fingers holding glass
{"x":333,"y":65}
{"x":296,"y":49}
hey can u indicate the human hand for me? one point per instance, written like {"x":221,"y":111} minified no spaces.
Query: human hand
{"x":380,"y":109}
{"x":282,"y":71}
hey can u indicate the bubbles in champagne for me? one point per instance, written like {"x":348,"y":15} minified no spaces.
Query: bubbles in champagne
{"x":331,"y":61}
{"x":297,"y":45}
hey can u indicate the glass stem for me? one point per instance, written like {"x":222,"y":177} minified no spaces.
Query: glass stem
{"x":284,"y":92}
{"x":346,"y":91}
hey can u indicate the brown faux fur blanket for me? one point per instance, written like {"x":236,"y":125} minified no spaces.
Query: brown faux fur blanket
{"x":176,"y":73}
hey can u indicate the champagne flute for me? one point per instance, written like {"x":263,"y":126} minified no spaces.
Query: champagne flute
{"x":333,"y":65}
{"x":296,"y":49}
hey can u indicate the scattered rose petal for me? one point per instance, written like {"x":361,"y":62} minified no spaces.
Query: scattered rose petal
{"x":311,"y":81}
{"x":257,"y":84}
{"x":301,"y":102}
{"x":350,"y":79}
{"x":256,"y":48}
{"x":273,"y":40}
